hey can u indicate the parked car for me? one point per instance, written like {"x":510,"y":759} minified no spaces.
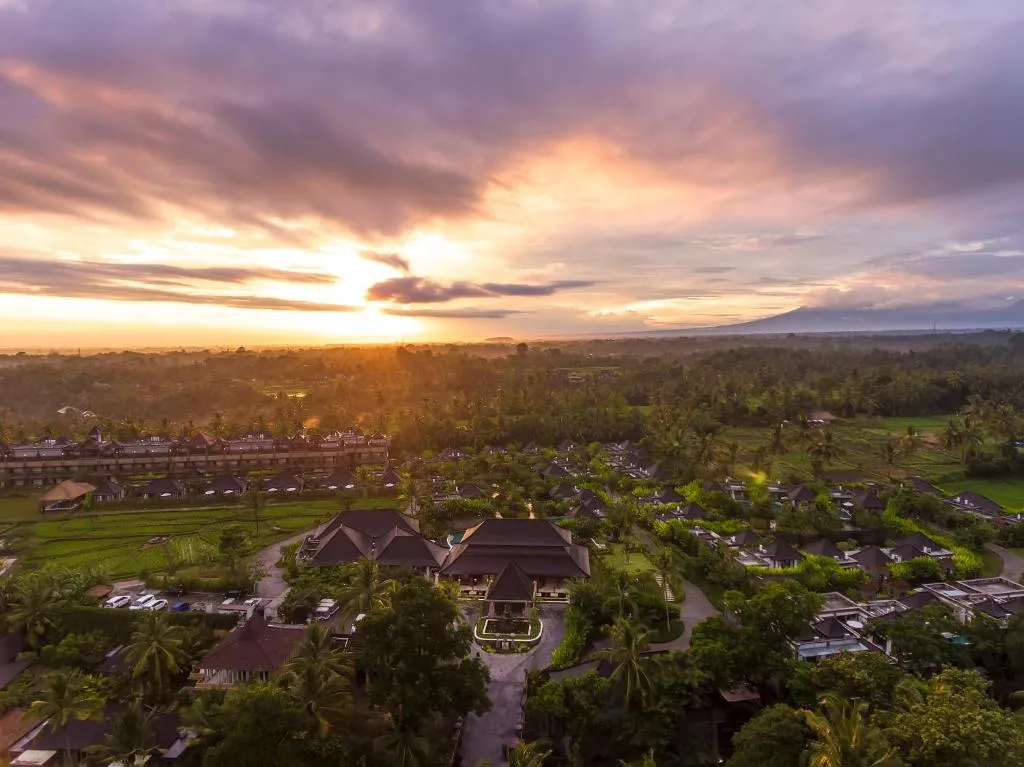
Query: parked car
{"x":158,"y":604}
{"x":180,"y":607}
{"x":234,"y":594}
{"x":122,"y":601}
{"x":175,"y":591}
{"x":143,"y":602}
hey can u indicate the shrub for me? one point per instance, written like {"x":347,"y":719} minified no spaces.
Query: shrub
{"x":578,"y":629}
{"x":116,"y":626}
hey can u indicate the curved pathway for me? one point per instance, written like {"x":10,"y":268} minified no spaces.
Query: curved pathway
{"x":1013,"y":563}
{"x":272,"y":584}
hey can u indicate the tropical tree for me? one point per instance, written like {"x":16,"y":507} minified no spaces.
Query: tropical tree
{"x":528,"y":755}
{"x":890,"y":454}
{"x":841,"y":736}
{"x":403,"y":747}
{"x":366,"y":479}
{"x":256,"y":500}
{"x":728,"y":454}
{"x":666,"y":567}
{"x":647,"y":760}
{"x":318,"y":676}
{"x":631,"y":675}
{"x":36,"y":605}
{"x":156,"y":652}
{"x":66,"y":696}
{"x":911,"y":441}
{"x":823,"y":449}
{"x":131,"y":739}
{"x":367,"y":590}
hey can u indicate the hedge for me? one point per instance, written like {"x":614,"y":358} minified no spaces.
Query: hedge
{"x":118,"y":625}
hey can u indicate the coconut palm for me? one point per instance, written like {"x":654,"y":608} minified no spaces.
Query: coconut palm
{"x":911,"y":441}
{"x":890,"y":454}
{"x":403,"y":748}
{"x":728,"y":455}
{"x":66,"y":696}
{"x":367,"y":590}
{"x":319,"y":677}
{"x":36,"y":607}
{"x":630,"y":673}
{"x":647,"y":760}
{"x":131,"y":739}
{"x":666,"y":567}
{"x":256,"y":500}
{"x":366,"y":479}
{"x":528,"y":755}
{"x":823,"y":449}
{"x":843,"y":738}
{"x":156,"y":652}
{"x":623,"y":589}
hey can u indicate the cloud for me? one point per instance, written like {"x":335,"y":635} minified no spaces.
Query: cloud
{"x":150,"y":282}
{"x":713,"y":269}
{"x":420,"y":290}
{"x":453,"y":314}
{"x":396,"y":261}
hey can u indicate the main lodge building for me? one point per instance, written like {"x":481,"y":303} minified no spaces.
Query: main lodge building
{"x":51,"y":461}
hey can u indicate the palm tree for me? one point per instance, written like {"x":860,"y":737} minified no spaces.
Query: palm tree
{"x":952,"y":436}
{"x":622,"y":598}
{"x":842,"y":737}
{"x":156,"y":651}
{"x":65,"y":696}
{"x":366,"y":479}
{"x":890,"y":454}
{"x":131,"y":739}
{"x":403,"y":748}
{"x":911,"y":441}
{"x":528,"y":755}
{"x":318,"y":676}
{"x":366,"y":591}
{"x":729,"y":455}
{"x":36,"y":607}
{"x":647,"y":760}
{"x":823,"y":450}
{"x":666,"y":567}
{"x":257,"y":500}
{"x":630,"y":675}
{"x":777,"y":441}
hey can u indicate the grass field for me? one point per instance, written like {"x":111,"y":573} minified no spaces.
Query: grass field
{"x":616,"y":557}
{"x":122,"y":543}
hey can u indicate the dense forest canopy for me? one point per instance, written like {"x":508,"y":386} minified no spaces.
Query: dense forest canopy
{"x":432,"y":397}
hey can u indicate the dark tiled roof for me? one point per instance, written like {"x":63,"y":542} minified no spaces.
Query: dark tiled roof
{"x":693,"y":511}
{"x":165,"y":485}
{"x":869,"y":500}
{"x":256,"y":646}
{"x":745,"y":538}
{"x":10,"y":646}
{"x":801,"y":494}
{"x":872,"y":557}
{"x":831,"y":628}
{"x":105,"y":487}
{"x":381,"y":534}
{"x":225,"y":483}
{"x":976,"y":502}
{"x":390,"y":477}
{"x":536,"y":545}
{"x":921,"y":486}
{"x":918,"y":599}
{"x":780,"y":551}
{"x":518,"y":532}
{"x":342,"y":478}
{"x":283,"y":482}
{"x":511,"y":585}
{"x":668,"y":495}
{"x":990,"y":608}
{"x":469,"y":491}
{"x":562,"y":490}
{"x":11,"y":671}
{"x":79,"y":734}
{"x":906,"y":552}
{"x":823,"y":547}
{"x":918,"y":540}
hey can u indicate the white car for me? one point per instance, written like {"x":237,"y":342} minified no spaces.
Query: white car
{"x":157,"y":604}
{"x":122,"y":601}
{"x":143,"y":602}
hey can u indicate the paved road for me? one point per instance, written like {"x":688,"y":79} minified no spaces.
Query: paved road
{"x":1013,"y":564}
{"x":695,"y":608}
{"x":272,"y":584}
{"x":483,"y":736}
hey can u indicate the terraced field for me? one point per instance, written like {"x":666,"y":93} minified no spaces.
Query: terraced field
{"x":126,"y":543}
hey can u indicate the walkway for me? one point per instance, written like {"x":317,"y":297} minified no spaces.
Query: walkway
{"x":696,"y":606}
{"x":483,"y":736}
{"x":272,"y":584}
{"x":1013,"y":563}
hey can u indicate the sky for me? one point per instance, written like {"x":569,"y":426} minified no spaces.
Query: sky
{"x":221,"y":172}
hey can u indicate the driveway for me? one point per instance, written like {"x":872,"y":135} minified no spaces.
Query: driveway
{"x":1013,"y":564}
{"x":272,"y":584}
{"x":483,"y":736}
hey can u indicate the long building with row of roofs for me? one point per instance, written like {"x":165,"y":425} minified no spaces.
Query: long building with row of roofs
{"x":49,"y":461}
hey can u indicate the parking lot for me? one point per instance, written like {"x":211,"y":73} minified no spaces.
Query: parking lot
{"x":137,"y":597}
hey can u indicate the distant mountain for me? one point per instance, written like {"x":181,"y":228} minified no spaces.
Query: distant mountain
{"x":947,"y":316}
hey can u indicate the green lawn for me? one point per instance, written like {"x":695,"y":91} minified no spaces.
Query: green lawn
{"x":617,"y":558}
{"x":120,"y":541}
{"x":924,"y":422}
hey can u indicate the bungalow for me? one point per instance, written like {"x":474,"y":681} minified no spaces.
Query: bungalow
{"x":667,"y":495}
{"x":11,"y":645}
{"x":779,"y":554}
{"x":511,"y":592}
{"x":589,"y":508}
{"x":225,"y":485}
{"x":107,"y":491}
{"x":919,"y":485}
{"x":342,"y":479}
{"x":383,"y":535}
{"x":552,"y":471}
{"x":823,"y":547}
{"x":926,"y":545}
{"x":67,"y":496}
{"x":451,"y":454}
{"x":543,"y":551}
{"x":77,"y":735}
{"x":284,"y":483}
{"x":868,"y":500}
{"x":255,"y":650}
{"x":997,"y":598}
{"x":469,"y":492}
{"x":165,"y":487}
{"x":692,"y":511}
{"x":657,"y":473}
{"x":562,"y":491}
{"x":801,"y":495}
{"x":872,"y":560}
{"x":975,"y":503}
{"x":744,"y":539}
{"x":390,"y":479}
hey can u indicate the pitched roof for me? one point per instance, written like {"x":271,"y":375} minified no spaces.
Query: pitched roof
{"x":668,"y":495}
{"x":868,"y":499}
{"x":831,"y":628}
{"x":990,"y":608}
{"x":15,"y":725}
{"x":165,"y":486}
{"x":871,"y":557}
{"x":780,"y":551}
{"x":918,"y":540}
{"x":745,"y":538}
{"x":79,"y":734}
{"x":67,"y":491}
{"x":562,"y":490}
{"x":107,"y":487}
{"x":390,"y":478}
{"x":906,"y":552}
{"x":469,"y":491}
{"x":381,"y":534}
{"x":225,"y":484}
{"x":801,"y":494}
{"x":918,"y":599}
{"x":921,"y":486}
{"x":511,"y":585}
{"x":340,"y":479}
{"x":256,"y":646}
{"x":693,"y":511}
{"x":976,"y":502}
{"x":538,"y":547}
{"x":823,"y":547}
{"x":283,"y":481}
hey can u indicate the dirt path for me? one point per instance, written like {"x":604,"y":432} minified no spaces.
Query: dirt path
{"x":272,"y":584}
